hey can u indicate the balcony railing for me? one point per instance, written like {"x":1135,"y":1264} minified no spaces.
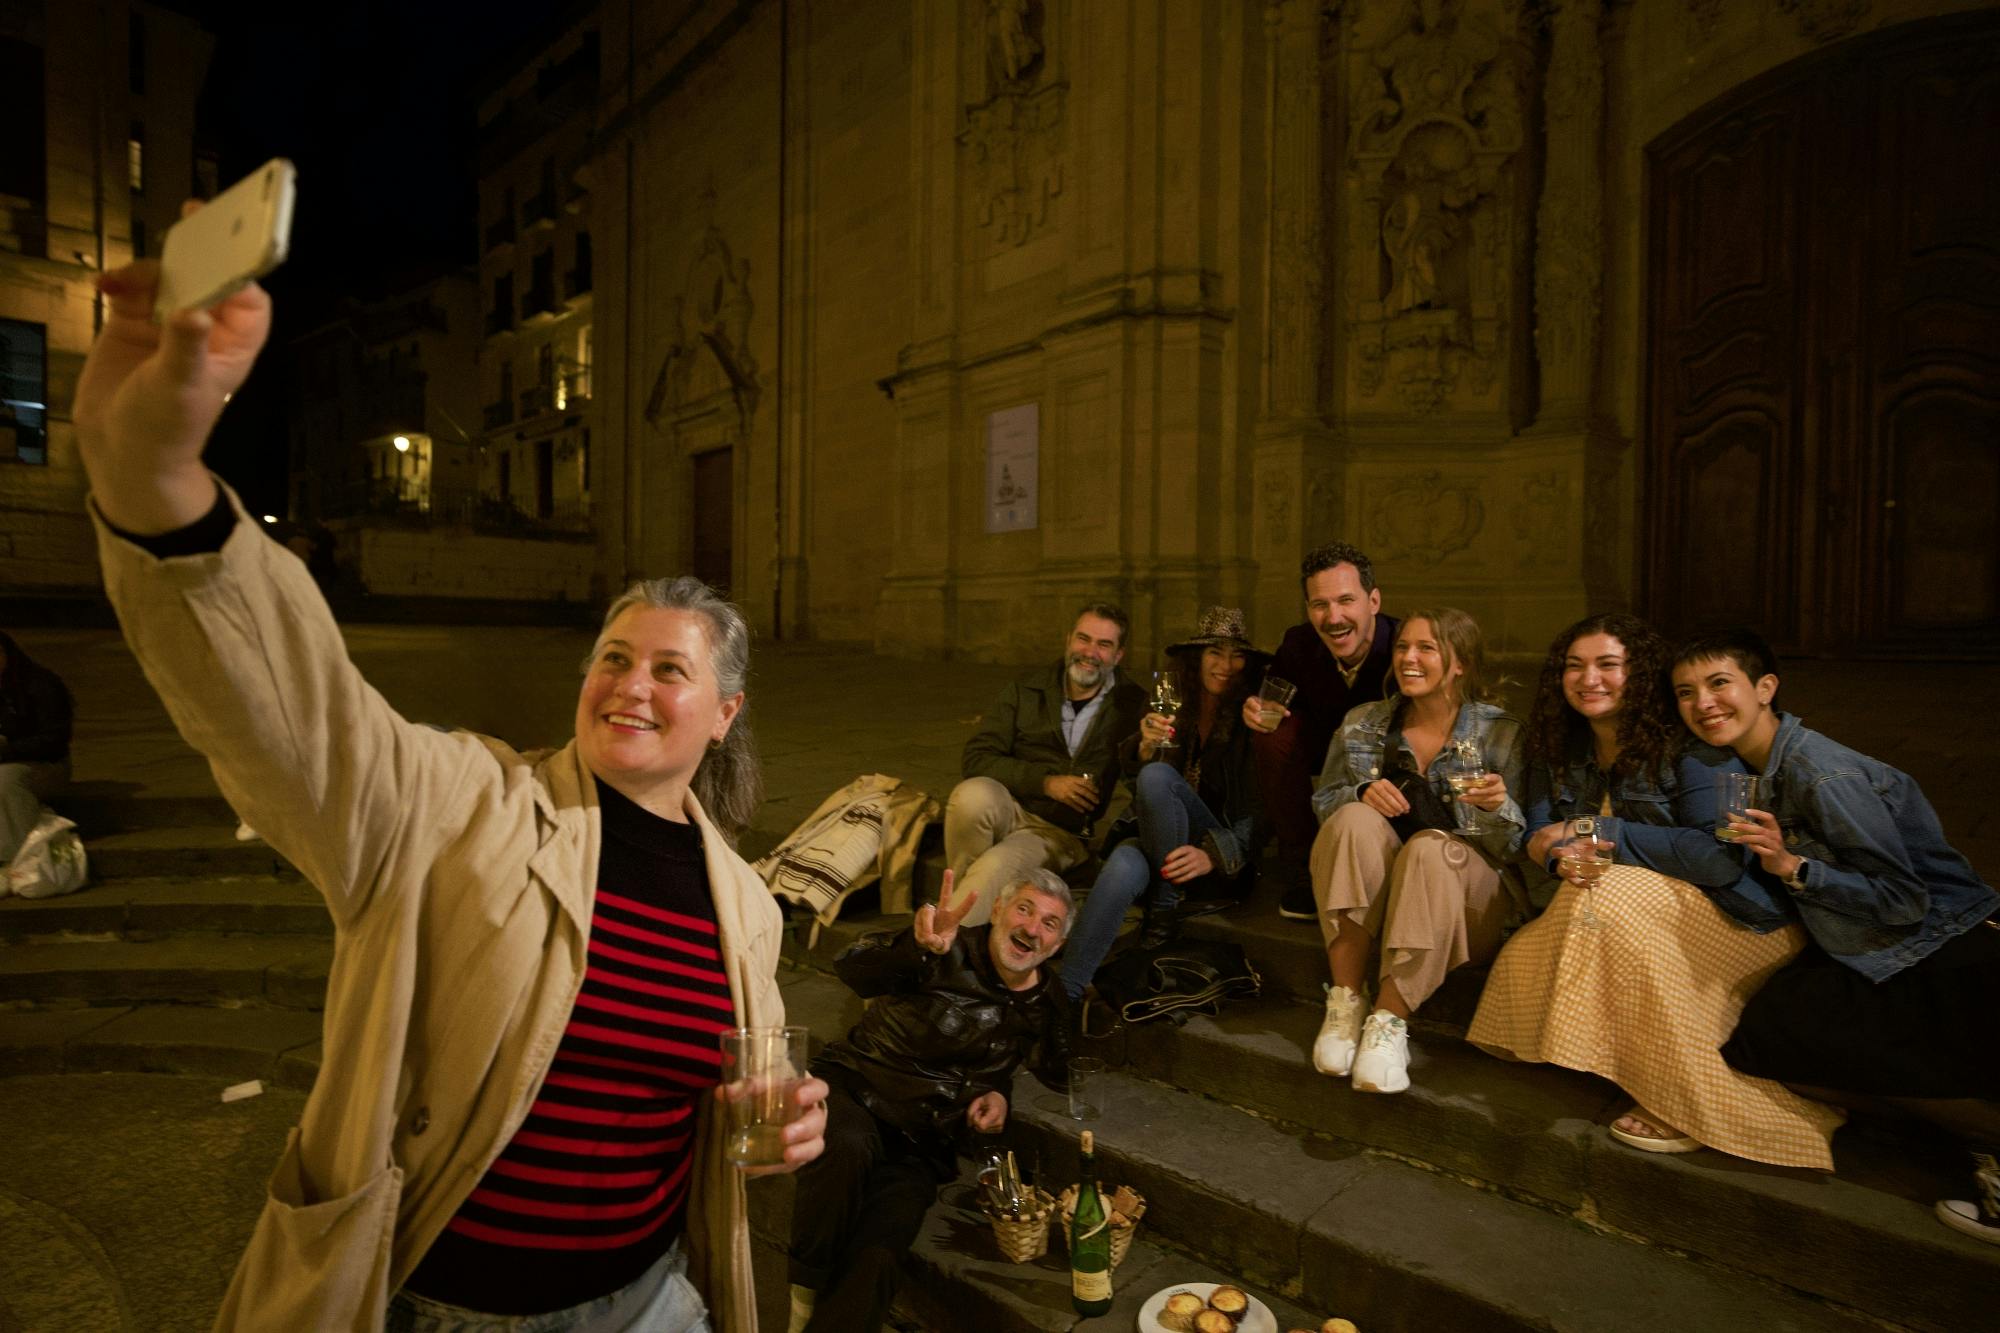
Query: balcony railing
{"x":499,"y":414}
{"x":573,"y":390}
{"x":499,"y":233}
{"x":537,"y":400}
{"x":576,"y":283}
{"x":498,"y":322}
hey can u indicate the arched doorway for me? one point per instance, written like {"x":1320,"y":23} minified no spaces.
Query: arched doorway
{"x":1823,"y":351}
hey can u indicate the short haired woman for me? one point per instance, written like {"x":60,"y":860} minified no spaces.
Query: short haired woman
{"x":1891,"y":1005}
{"x":1634,"y":972}
{"x":1405,"y":866}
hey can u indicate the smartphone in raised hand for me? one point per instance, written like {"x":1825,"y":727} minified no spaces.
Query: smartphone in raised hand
{"x":237,"y":237}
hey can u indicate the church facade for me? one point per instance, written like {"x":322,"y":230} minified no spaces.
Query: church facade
{"x":918,"y":325}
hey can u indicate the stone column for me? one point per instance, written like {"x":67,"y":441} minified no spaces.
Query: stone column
{"x":1569,"y":251}
{"x":1291,"y":435}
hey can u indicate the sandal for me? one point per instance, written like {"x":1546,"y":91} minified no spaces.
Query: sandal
{"x":1676,"y":1142}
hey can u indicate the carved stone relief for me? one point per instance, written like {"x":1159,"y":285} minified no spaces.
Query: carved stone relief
{"x":1436,"y":122}
{"x":1825,"y":20}
{"x":1014,"y":137}
{"x":709,"y":368}
{"x":1540,"y":516}
{"x":1569,"y":225}
{"x":1419,"y":519}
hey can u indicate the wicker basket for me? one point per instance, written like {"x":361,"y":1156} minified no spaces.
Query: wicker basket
{"x":1121,"y":1232}
{"x":1025,"y":1238}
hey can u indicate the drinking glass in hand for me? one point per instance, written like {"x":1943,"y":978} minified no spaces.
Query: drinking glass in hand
{"x":1589,"y":854}
{"x":1740,"y":794}
{"x":760,"y":1069}
{"x":1465,"y":767}
{"x":1273,"y":697}
{"x":1167,"y":703}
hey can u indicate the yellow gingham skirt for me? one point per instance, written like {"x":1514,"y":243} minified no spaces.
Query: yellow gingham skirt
{"x":1640,"y":979}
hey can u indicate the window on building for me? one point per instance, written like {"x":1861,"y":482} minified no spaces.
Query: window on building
{"x":24,"y":162}
{"x":135,"y":51}
{"x":135,"y":158}
{"x":502,"y":314}
{"x":24,"y":392}
{"x":545,"y":364}
{"x":507,"y":381}
{"x":138,"y":237}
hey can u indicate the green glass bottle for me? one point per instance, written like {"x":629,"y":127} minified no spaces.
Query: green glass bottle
{"x":1090,"y":1241}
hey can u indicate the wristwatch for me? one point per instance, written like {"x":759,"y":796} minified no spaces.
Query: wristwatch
{"x":1796,"y":881}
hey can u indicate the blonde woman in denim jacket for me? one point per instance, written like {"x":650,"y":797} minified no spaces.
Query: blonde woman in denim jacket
{"x":1429,"y":902}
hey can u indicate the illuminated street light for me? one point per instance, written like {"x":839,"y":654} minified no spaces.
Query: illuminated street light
{"x":270,"y":518}
{"x":402,"y":444}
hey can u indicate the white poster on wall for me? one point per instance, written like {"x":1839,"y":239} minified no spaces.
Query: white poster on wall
{"x":1013,"y":441}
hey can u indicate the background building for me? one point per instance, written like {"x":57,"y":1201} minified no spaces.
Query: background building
{"x":97,"y":151}
{"x":934,"y":319}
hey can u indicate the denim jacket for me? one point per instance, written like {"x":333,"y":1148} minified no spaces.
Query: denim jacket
{"x":1883,"y":889}
{"x":1355,"y":759}
{"x":1664,"y":823}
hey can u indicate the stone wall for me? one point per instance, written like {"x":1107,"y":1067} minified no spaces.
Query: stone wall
{"x":1267,"y":276}
{"x":393,"y":563}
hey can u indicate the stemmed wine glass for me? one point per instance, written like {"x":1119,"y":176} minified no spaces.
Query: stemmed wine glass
{"x":1465,"y":767}
{"x":1590,"y":855}
{"x":1166,"y":702}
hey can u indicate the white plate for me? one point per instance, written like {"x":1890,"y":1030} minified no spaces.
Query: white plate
{"x":1258,"y":1319}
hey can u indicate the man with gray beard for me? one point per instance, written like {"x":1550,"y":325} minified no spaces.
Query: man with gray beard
{"x":1041,"y":768}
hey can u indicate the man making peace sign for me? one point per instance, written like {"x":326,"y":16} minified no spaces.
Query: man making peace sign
{"x":956,"y":1010}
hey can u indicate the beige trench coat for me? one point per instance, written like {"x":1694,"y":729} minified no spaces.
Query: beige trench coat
{"x":460,"y":878}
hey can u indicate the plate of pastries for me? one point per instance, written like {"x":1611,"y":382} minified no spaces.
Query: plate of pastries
{"x":1205,"y":1307}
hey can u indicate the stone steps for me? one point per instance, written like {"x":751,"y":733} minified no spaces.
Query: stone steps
{"x":1863,"y":1238}
{"x":286,"y":972}
{"x":151,"y":908}
{"x":280,"y":1046}
{"x":164,"y":852}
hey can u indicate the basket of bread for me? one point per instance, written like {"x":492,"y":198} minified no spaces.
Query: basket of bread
{"x":1127,"y":1207}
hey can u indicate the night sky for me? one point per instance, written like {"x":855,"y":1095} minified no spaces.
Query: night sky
{"x":374,"y":102}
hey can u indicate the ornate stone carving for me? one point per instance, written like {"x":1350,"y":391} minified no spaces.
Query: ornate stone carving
{"x":710,"y":361}
{"x":1822,"y":21}
{"x":1435,"y":123}
{"x":1540,"y":514}
{"x":1015,"y":141}
{"x":1569,"y":224}
{"x":1012,"y":46}
{"x":1420,"y":519}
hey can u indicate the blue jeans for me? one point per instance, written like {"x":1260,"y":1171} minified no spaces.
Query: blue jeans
{"x":659,"y":1300}
{"x":1170,"y":816}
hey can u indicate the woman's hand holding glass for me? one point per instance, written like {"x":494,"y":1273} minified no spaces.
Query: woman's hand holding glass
{"x":1758,"y":831}
{"x":1583,"y":857}
{"x":1156,"y":730}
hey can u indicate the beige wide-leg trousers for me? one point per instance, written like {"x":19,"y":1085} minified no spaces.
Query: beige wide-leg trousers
{"x":1431,"y":905}
{"x":991,"y":843}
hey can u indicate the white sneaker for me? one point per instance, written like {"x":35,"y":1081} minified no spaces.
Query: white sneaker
{"x":1978,"y":1217}
{"x":1383,"y":1064}
{"x":1333,"y":1049}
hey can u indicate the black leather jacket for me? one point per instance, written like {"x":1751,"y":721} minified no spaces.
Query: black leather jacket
{"x":943,"y":1030}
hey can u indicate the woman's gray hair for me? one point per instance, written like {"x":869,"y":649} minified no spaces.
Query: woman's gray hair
{"x":729,"y":782}
{"x":1048,"y":882}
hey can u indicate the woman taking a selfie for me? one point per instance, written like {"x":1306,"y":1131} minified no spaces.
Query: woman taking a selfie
{"x":1633,"y":972}
{"x":1195,"y":799}
{"x":1407,"y":862}
{"x":532,"y":957}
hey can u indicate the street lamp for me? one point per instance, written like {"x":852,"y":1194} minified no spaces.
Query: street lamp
{"x":402,"y":444}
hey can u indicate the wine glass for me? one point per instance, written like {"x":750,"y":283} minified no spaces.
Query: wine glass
{"x":1167,"y":703}
{"x":1465,"y":766}
{"x":1591,"y":855}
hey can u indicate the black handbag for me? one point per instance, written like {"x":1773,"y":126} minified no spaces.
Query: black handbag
{"x":1177,"y":980}
{"x":1427,"y":809}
